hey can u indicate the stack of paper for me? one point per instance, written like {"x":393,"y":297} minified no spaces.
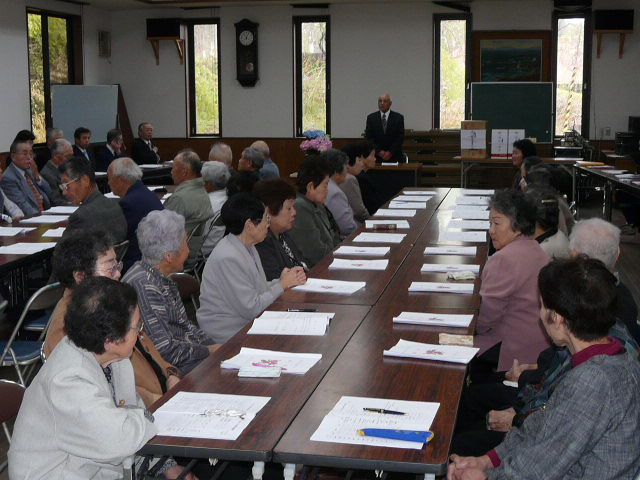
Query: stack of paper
{"x":322,"y":285}
{"x":362,"y":251}
{"x":473,"y":237}
{"x":467,"y":212}
{"x":12,"y":231}
{"x":419,"y":192}
{"x":25,"y":248}
{"x":402,"y":204}
{"x":150,"y":165}
{"x":441,"y":287}
{"x":45,"y":219}
{"x":450,"y":251}
{"x":469,"y":224}
{"x":111,"y":195}
{"x":392,"y":212}
{"x":473,"y":200}
{"x":379,"y":237}
{"x":342,"y":423}
{"x":444,"y":268}
{"x":397,"y":223}
{"x":413,"y":198}
{"x":427,"y":351}
{"x":438,"y":319}
{"x":626,"y":175}
{"x":613,"y":172}
{"x":343,"y":264}
{"x":477,"y":191}
{"x":54,"y":232}
{"x":298,"y":363}
{"x":62,"y":209}
{"x":291,"y":323}
{"x":207,"y":415}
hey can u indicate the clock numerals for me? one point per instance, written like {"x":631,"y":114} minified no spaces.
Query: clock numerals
{"x":246,"y":38}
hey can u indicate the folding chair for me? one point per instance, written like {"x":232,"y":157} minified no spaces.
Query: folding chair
{"x":188,"y":286}
{"x":11,"y":394}
{"x":47,"y":299}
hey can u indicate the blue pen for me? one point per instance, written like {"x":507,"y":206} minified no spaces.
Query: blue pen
{"x":406,"y":435}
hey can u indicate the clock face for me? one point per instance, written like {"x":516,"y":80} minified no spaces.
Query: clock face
{"x":246,"y":38}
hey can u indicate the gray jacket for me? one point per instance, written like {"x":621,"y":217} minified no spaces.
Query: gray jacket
{"x":98,"y":212}
{"x":51,"y":174}
{"x":69,"y":426}
{"x":351,"y":189}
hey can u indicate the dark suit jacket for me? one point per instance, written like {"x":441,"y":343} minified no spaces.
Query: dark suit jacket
{"x":43,"y":155}
{"x":273,"y":257}
{"x":390,"y":140}
{"x":370,"y":196}
{"x":104,"y":157}
{"x":98,"y":212}
{"x":51,"y":174}
{"x":15,"y":187}
{"x":142,"y":154}
{"x":92,"y":157}
{"x":135,"y":205}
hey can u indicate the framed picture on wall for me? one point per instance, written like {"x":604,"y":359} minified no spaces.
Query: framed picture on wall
{"x":512,"y":56}
{"x":104,"y":43}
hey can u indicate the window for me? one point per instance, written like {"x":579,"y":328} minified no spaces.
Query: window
{"x":52,"y":52}
{"x":571,"y":69}
{"x":204,"y":77}
{"x":451,"y":72}
{"x":312,"y":67}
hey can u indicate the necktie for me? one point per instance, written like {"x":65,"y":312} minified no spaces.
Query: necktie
{"x":34,"y":190}
{"x":384,"y":122}
{"x":86,"y":155}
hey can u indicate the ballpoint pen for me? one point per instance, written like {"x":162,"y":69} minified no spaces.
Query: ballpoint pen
{"x":301,"y":309}
{"x":382,"y":410}
{"x":421,"y":436}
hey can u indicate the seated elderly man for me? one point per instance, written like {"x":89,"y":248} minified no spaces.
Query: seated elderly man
{"x":44,"y":154}
{"x":110,"y":151}
{"x":61,"y":151}
{"x":96,"y":212}
{"x":136,"y":201}
{"x":221,"y":152}
{"x":215,"y":176}
{"x":163,"y":243}
{"x":190,"y":198}
{"x":22,"y":183}
{"x":269,"y":170}
{"x":251,"y":161}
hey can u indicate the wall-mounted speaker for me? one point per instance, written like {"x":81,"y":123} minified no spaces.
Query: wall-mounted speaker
{"x":163,"y":28}
{"x":613,"y":20}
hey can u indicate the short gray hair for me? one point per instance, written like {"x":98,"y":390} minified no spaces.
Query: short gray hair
{"x":160,"y":232}
{"x":254,"y":155}
{"x":126,"y":168}
{"x":215,"y":173}
{"x":596,"y":238}
{"x":191,"y":159}
{"x":221,"y":152}
{"x":52,"y":132}
{"x":262,"y":147}
{"x":59,"y":146}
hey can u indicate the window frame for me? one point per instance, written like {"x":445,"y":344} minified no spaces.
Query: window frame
{"x":74,"y":55}
{"x":191,"y":78}
{"x":297,"y":66}
{"x":437,"y":19}
{"x":585,"y":14}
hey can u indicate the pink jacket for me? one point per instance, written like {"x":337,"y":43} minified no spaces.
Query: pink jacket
{"x":510,"y":309}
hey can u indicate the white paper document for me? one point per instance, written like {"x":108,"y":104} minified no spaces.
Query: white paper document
{"x":427,"y":351}
{"x":413,"y":198}
{"x":419,"y":192}
{"x":514,"y":135}
{"x":473,"y":200}
{"x":342,"y":423}
{"x":379,"y":237}
{"x":613,"y":172}
{"x":54,"y":232}
{"x":477,"y":191}
{"x":389,"y":164}
{"x":397,"y":223}
{"x":12,"y":231}
{"x":441,"y":287}
{"x":298,"y":363}
{"x":25,"y":248}
{"x":362,"y":251}
{"x":291,"y":323}
{"x":344,"y":264}
{"x":473,"y":139}
{"x":438,"y":319}
{"x":469,"y":224}
{"x":451,"y":267}
{"x":45,"y":219}
{"x":450,"y":250}
{"x":626,"y":175}
{"x":394,"y":212}
{"x":207,"y":415}
{"x":111,"y":195}
{"x":150,"y":165}
{"x":467,"y":213}
{"x":412,"y":205}
{"x":499,"y":146}
{"x":322,"y":285}
{"x":473,"y":237}
{"x":62,"y":209}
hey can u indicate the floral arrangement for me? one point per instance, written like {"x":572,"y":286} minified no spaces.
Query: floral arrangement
{"x":316,"y":141}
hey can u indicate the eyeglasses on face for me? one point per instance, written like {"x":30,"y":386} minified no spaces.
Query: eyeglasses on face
{"x":65,"y":186}
{"x":113,"y":269}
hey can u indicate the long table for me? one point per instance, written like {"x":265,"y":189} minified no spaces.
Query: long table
{"x":609,"y":182}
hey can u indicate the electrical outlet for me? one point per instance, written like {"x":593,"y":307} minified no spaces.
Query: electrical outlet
{"x":606,"y":132}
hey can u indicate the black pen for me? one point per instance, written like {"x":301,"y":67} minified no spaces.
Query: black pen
{"x":301,"y":309}
{"x":382,"y":410}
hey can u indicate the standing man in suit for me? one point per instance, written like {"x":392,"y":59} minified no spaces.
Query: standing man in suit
{"x":82,"y":140}
{"x":386,"y":130}
{"x":22,"y":182}
{"x":110,"y":151}
{"x":136,"y":201}
{"x":144,"y":150}
{"x":61,"y":151}
{"x":44,"y":154}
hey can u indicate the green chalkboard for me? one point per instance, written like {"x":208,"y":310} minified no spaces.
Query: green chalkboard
{"x":527,"y":105}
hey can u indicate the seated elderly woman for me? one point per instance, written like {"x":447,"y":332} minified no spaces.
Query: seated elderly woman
{"x":163,"y":243}
{"x":552,"y":240}
{"x":337,"y":201}
{"x":540,"y":176}
{"x":357,"y":153}
{"x":80,"y":417}
{"x":278,"y":250}
{"x":315,"y":231}
{"x":234,"y":287}
{"x":591,"y":432}
{"x":508,"y":326}
{"x":215,"y":176}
